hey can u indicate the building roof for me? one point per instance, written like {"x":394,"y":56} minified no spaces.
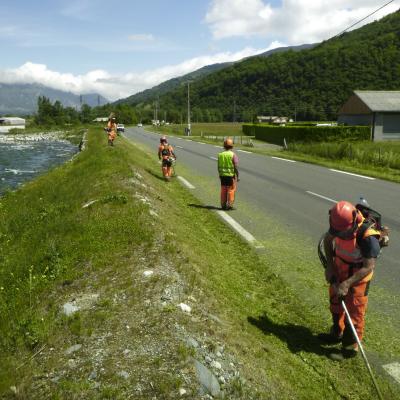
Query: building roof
{"x":380,"y":101}
{"x":12,"y":120}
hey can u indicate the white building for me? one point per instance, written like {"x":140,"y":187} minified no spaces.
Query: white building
{"x":273,"y":119}
{"x":8,"y":123}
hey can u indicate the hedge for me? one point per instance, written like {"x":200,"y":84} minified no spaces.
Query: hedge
{"x":306,"y":134}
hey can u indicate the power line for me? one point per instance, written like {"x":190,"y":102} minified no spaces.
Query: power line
{"x":356,"y":23}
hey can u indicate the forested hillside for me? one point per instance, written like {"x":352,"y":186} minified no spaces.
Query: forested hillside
{"x":152,"y":94}
{"x":310,"y":84}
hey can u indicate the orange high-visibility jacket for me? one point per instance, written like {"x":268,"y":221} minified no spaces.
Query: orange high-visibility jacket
{"x":348,"y":255}
{"x":166,"y":151}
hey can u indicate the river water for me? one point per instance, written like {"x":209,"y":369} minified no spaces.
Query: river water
{"x":22,"y":159}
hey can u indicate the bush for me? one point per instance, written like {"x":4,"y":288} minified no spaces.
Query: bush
{"x":307,"y":134}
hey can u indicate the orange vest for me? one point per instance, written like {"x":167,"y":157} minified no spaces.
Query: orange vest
{"x":166,"y":151}
{"x":112,"y":125}
{"x":348,"y":255}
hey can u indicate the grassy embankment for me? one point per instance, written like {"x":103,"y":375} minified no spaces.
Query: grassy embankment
{"x":54,"y":250}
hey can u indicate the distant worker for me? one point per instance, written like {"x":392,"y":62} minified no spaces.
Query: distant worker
{"x":111,"y":129}
{"x":351,"y":246}
{"x":228,"y":174}
{"x":167,"y":156}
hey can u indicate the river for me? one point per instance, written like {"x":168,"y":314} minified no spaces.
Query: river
{"x":24,"y":158}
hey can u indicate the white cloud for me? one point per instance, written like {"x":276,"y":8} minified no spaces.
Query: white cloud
{"x":120,"y":86}
{"x":141,"y":37}
{"x":294,"y":21}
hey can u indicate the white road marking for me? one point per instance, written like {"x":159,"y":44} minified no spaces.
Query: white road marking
{"x":244,"y":151}
{"x":179,"y":147}
{"x":239,"y":229}
{"x":189,"y":140}
{"x":200,"y":143}
{"x":186,"y":183}
{"x":218,"y":147}
{"x":393,"y":369}
{"x":320,"y":196}
{"x":179,"y":138}
{"x":349,"y":173}
{"x":283,"y":159}
{"x":214,"y":158}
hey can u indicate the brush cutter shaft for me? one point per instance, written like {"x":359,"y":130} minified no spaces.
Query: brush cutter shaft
{"x":361,"y":349}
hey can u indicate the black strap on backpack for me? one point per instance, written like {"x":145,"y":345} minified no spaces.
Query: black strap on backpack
{"x":368,"y":223}
{"x":371,"y":215}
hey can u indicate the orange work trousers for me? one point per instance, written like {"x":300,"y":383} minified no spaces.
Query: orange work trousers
{"x":356,"y":302}
{"x":166,"y":168}
{"x":111,"y":136}
{"x":228,"y":190}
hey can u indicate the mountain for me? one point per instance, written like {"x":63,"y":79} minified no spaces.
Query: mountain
{"x":174,"y":83}
{"x":21,"y":99}
{"x":308,"y":84}
{"x":171,"y":84}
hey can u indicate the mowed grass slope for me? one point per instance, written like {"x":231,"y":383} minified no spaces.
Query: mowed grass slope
{"x":52,"y":248}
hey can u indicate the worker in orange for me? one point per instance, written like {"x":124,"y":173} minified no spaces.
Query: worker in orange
{"x":352,"y":246}
{"x":111,"y":129}
{"x":167,"y":156}
{"x":228,"y":174}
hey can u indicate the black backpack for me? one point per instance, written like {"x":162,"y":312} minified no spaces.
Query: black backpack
{"x":372,"y":219}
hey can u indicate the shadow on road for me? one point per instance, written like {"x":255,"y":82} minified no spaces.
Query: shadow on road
{"x":297,"y":337}
{"x":204,"y":207}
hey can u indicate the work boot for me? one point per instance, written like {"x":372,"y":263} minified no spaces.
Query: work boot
{"x":350,"y":351}
{"x":332,"y":337}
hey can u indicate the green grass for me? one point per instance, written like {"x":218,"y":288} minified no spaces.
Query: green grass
{"x":53,"y":248}
{"x":368,"y":154}
{"x":47,"y":238}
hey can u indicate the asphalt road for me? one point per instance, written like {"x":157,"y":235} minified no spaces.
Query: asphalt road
{"x":297,"y":194}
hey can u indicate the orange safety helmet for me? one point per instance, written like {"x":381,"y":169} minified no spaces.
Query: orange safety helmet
{"x":163,"y":139}
{"x":343,"y":220}
{"x":228,"y":143}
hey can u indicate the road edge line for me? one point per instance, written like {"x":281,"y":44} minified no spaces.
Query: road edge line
{"x":239,"y":229}
{"x":186,"y":183}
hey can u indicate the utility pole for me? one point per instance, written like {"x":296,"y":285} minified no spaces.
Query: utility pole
{"x":188,"y":107}
{"x":156,"y":110}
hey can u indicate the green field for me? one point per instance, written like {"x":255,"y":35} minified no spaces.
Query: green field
{"x":379,"y":154}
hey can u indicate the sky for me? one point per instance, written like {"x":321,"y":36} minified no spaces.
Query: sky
{"x":121,"y":47}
